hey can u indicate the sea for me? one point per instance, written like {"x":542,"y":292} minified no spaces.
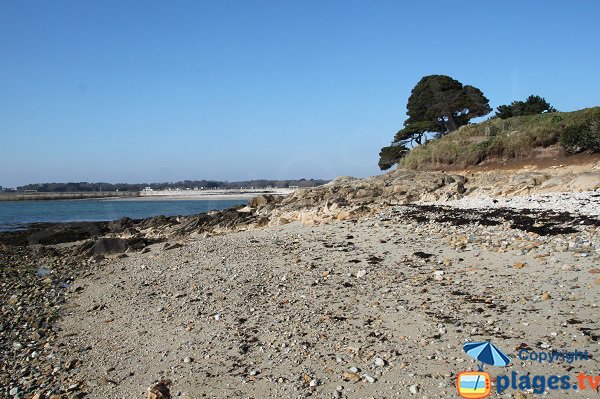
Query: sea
{"x":16,"y":215}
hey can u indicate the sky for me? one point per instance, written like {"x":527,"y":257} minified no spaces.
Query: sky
{"x":155,"y":91}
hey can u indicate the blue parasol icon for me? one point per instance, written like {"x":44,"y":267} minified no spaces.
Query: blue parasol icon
{"x":487,"y":353}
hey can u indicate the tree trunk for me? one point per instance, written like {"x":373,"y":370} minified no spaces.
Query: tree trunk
{"x":451,"y":124}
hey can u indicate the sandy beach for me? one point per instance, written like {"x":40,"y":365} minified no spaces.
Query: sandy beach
{"x":374,"y":308}
{"x":361,"y":288}
{"x":209,"y":194}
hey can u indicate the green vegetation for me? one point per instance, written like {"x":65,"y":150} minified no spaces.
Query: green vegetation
{"x":581,"y":137}
{"x":510,"y":138}
{"x":437,"y":104}
{"x":389,"y":156}
{"x":531,"y":106}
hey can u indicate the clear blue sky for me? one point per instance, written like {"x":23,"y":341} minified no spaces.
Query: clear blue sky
{"x":140,"y":91}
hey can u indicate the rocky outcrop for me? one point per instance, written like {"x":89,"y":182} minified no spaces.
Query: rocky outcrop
{"x":345,"y":198}
{"x":349,"y":198}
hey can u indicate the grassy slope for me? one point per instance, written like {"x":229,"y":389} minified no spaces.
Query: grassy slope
{"x":498,"y":138}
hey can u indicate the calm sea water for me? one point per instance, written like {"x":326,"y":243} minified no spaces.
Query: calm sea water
{"x":14,"y":215}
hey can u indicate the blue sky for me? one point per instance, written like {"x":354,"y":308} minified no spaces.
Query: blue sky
{"x":140,"y":91}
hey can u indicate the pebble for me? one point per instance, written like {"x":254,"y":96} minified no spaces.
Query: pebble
{"x":187,"y":359}
{"x":546,"y":296}
{"x":370,"y":379}
{"x":352,"y":377}
{"x":361,"y":273}
{"x":413,"y":389}
{"x":379,"y":362}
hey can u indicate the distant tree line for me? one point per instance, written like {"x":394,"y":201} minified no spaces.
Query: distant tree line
{"x":185,"y":184}
{"x":533,"y":105}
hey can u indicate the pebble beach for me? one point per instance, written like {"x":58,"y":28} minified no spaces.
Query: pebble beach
{"x":364,"y":300}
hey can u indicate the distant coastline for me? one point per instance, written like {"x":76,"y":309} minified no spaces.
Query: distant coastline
{"x":216,"y":194}
{"x":44,"y":196}
{"x":155,"y":195}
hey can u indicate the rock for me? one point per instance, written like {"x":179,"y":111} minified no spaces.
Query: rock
{"x":70,"y":364}
{"x":587,"y":181}
{"x":160,"y":390}
{"x":187,"y":360}
{"x":13,"y":391}
{"x":413,"y":389}
{"x":17,"y":346}
{"x":349,"y":376}
{"x":171,"y":245}
{"x":73,"y":387}
{"x":262,"y":200}
{"x":361,"y":273}
{"x":68,"y":232}
{"x":438,"y":275}
{"x":13,"y":300}
{"x":379,"y":362}
{"x":370,"y":379}
{"x":108,"y":246}
{"x":519,"y":265}
{"x":545,"y":296}
{"x":527,"y":179}
{"x":97,"y":258}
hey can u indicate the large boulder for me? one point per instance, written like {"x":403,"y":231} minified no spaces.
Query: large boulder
{"x":587,"y":181}
{"x":108,"y":246}
{"x":263,"y":200}
{"x":66,"y":232}
{"x":119,"y":225}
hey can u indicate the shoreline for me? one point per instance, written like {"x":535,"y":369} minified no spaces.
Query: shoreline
{"x":147,"y":195}
{"x":185,"y":198}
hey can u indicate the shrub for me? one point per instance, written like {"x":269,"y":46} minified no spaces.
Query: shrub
{"x":582,"y":137}
{"x":516,"y":137}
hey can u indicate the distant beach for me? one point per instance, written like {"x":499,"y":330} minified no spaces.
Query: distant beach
{"x":209,"y":194}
